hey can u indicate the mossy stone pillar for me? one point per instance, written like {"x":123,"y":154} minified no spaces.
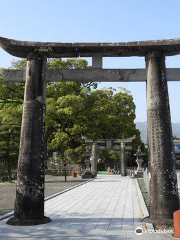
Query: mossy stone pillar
{"x":29,"y":204}
{"x":94,"y":159}
{"x":123,"y":160}
{"x":164,"y":198}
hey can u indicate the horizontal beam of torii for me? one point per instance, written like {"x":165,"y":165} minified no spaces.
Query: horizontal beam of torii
{"x":115,"y":148}
{"x":90,"y":75}
{"x":110,"y":141}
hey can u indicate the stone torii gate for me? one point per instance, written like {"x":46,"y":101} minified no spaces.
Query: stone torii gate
{"x":164,"y":198}
{"x":109,"y":143}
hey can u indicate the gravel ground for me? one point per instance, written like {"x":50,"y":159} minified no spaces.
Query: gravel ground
{"x":52,"y":185}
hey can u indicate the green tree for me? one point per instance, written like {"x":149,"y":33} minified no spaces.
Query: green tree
{"x":9,"y":147}
{"x":73,"y":109}
{"x":11,"y":99}
{"x":95,"y":114}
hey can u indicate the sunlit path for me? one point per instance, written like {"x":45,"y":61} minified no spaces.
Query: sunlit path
{"x":106,"y":208}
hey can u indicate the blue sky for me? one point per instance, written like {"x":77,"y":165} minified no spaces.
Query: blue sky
{"x":97,"y":21}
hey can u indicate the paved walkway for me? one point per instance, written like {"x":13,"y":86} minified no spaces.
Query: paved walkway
{"x":106,"y":208}
{"x":53,"y":184}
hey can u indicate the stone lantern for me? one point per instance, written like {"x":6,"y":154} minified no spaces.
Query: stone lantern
{"x":139,"y":154}
{"x":87,"y":161}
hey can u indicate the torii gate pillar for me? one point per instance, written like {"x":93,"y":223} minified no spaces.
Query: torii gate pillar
{"x":29,"y":205}
{"x":94,"y":159}
{"x":123,"y":160}
{"x":164,"y":199}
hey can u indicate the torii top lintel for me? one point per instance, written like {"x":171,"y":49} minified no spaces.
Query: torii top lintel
{"x":114,"y":49}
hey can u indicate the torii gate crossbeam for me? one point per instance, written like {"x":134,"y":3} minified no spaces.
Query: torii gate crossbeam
{"x":90,"y":75}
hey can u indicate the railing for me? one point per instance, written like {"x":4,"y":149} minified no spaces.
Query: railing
{"x":60,"y":172}
{"x":131,"y":171}
{"x":146,"y":178}
{"x":178,"y":179}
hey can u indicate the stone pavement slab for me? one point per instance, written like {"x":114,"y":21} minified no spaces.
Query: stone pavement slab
{"x":53,"y":185}
{"x":106,"y":208}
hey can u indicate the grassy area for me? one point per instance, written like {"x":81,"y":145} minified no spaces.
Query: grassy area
{"x":53,"y":184}
{"x":7,"y":183}
{"x":144,"y":191}
{"x":102,"y":172}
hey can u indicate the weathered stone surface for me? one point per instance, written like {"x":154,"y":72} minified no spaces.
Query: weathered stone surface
{"x":29,"y":204}
{"x":97,"y":61}
{"x":87,"y":173}
{"x":113,"y":140}
{"x":164,"y":198}
{"x":123,"y":160}
{"x":94,"y":159}
{"x":81,"y":75}
{"x":139,"y":159}
{"x":111,"y":49}
{"x":90,"y":75}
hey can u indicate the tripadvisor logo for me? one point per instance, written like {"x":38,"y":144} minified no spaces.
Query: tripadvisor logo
{"x":138,"y":231}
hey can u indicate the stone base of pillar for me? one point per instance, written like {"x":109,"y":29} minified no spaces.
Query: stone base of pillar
{"x":88,"y":175}
{"x":17,"y":222}
{"x":139,"y":174}
{"x":123,"y":174}
{"x":160,"y":223}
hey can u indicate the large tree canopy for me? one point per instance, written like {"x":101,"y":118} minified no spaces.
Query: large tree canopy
{"x":73,"y":110}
